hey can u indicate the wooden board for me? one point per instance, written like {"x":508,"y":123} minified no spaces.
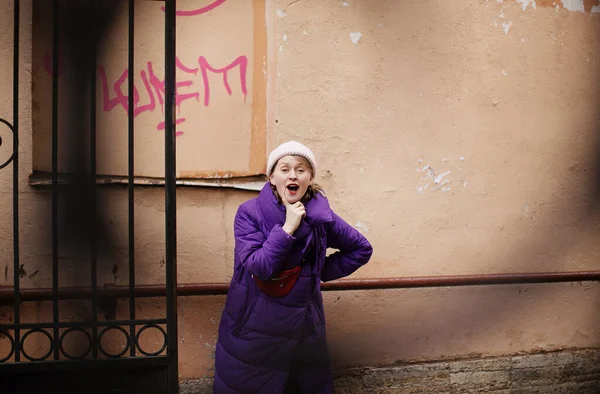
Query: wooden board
{"x":221,"y":90}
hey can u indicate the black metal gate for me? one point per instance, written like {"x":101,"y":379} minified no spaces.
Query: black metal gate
{"x":94,"y":369}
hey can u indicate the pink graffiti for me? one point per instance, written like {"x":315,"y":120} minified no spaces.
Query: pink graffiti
{"x":241,"y":61}
{"x":48,"y":64}
{"x":161,"y":126}
{"x":155,"y":87}
{"x":199,"y":11}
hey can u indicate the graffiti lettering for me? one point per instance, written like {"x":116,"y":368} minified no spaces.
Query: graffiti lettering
{"x":48,"y":64}
{"x":161,"y":126}
{"x":114,"y":95}
{"x":241,"y":61}
{"x":199,"y":11}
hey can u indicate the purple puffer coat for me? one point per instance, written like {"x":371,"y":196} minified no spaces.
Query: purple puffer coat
{"x":266,"y":342}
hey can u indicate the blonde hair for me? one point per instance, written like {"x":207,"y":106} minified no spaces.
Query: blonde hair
{"x":312,"y":189}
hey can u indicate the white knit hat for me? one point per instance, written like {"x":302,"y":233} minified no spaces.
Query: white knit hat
{"x":291,"y":148}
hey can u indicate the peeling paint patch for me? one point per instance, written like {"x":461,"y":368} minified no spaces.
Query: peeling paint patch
{"x":592,"y":6}
{"x":280,"y":13}
{"x":115,"y":271}
{"x":526,"y":3}
{"x":346,"y":4}
{"x":285,"y":37}
{"x":434,"y":180}
{"x":355,"y":37}
{"x":573,"y":5}
{"x":504,"y":73}
{"x":431,"y":174}
{"x":440,"y":177}
{"x":506,"y":27}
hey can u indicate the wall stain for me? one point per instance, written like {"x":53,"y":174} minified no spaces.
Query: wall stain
{"x":107,"y":304}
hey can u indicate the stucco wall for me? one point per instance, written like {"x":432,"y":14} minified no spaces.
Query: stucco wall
{"x":459,"y":138}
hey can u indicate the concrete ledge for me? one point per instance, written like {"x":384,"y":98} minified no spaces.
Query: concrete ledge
{"x":250,"y":183}
{"x":563,"y":372}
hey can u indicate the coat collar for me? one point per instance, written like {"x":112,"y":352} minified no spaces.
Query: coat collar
{"x":273,"y":212}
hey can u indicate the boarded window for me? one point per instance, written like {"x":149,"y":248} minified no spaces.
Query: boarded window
{"x":221,"y":90}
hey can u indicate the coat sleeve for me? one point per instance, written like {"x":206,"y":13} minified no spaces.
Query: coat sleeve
{"x":261,"y":256}
{"x":354,"y":250}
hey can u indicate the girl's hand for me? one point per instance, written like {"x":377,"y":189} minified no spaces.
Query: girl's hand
{"x":293,"y":216}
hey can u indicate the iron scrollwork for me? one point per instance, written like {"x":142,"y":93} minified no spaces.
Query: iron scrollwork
{"x":11,"y":128}
{"x":62,"y":341}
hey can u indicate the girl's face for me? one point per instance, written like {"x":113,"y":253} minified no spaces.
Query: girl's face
{"x":291,"y":177}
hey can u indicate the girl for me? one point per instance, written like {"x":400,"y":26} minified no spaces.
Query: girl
{"x":272,"y":331}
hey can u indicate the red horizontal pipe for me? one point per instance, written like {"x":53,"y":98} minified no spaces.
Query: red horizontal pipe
{"x":198,"y":289}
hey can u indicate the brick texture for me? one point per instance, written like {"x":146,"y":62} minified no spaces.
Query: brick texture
{"x":564,"y":372}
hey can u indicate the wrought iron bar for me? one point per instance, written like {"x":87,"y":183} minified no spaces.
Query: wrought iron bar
{"x":15,"y":162}
{"x":55,"y":65}
{"x":93,"y":176}
{"x":76,"y":324}
{"x":106,"y":366}
{"x":130,"y":158}
{"x":82,"y":328}
{"x":170,"y":198}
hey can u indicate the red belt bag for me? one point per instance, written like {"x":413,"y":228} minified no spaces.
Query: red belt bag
{"x":280,"y":285}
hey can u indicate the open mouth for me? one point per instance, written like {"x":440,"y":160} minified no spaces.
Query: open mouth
{"x":292,"y":188}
